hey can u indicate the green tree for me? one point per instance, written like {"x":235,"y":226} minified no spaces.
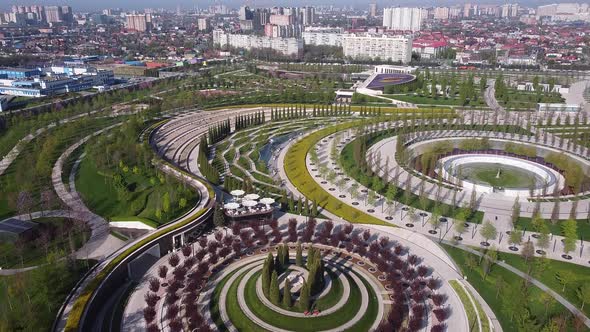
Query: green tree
{"x":287,"y":294}
{"x":265,"y":274}
{"x":275,"y":294}
{"x":299,"y":255}
{"x":304,"y":297}
{"x":515,"y":237}
{"x":166,"y":202}
{"x":218,"y":217}
{"x":515,"y":211}
{"x":570,"y":232}
{"x":584,"y":294}
{"x":488,"y":231}
{"x":565,"y":278}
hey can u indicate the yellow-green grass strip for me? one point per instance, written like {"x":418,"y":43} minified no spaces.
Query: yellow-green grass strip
{"x":485,"y":322}
{"x":469,"y":309}
{"x":296,"y":170}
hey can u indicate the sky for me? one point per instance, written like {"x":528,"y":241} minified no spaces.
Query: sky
{"x":86,"y":5}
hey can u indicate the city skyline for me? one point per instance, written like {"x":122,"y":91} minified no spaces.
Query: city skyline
{"x":81,"y":5}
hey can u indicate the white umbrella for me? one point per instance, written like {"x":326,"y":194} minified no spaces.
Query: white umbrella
{"x":249,"y":203}
{"x":237,"y":192}
{"x":252,"y":197}
{"x":267,"y":201}
{"x":231,"y":206}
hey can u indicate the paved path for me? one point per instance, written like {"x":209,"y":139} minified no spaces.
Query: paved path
{"x":384,"y":213}
{"x":575,"y":96}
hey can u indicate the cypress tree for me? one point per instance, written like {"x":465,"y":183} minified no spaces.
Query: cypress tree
{"x":275,"y":295}
{"x":285,"y":253}
{"x":304,"y":297}
{"x":278,"y":266}
{"x":271,"y":265}
{"x":265,"y":277}
{"x":287,"y":294}
{"x":299,"y":255}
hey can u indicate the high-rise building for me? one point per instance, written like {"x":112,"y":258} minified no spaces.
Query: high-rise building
{"x":509,"y":10}
{"x":308,"y":15}
{"x":284,"y":46}
{"x":203,"y":24}
{"x":53,"y":14}
{"x":323,"y":36}
{"x":67,"y":14}
{"x":403,"y":18}
{"x":245,"y":13}
{"x":384,"y":47}
{"x":441,"y":13}
{"x":373,"y":10}
{"x":467,"y":12}
{"x":281,"y":19}
{"x":138,"y":22}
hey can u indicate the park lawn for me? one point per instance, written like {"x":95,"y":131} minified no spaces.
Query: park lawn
{"x":525,"y":223}
{"x":335,"y":319}
{"x":324,"y":303}
{"x":509,"y":297}
{"x":214,"y":302}
{"x":509,"y":178}
{"x":99,"y":193}
{"x":547,"y":272}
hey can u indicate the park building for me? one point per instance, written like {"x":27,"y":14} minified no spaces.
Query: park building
{"x":384,"y":47}
{"x":530,"y":86}
{"x":558,"y":107}
{"x":390,"y":69}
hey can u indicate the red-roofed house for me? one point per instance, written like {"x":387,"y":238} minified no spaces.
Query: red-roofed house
{"x":429,"y":48}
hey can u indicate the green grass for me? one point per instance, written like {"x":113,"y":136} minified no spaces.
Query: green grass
{"x":513,"y":297}
{"x":485,"y":322}
{"x":508,"y":178}
{"x":214,"y":303}
{"x":337,"y":318}
{"x":467,"y":305}
{"x":31,"y":170}
{"x":583,"y":226}
{"x":546,"y":271}
{"x":99,"y":193}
